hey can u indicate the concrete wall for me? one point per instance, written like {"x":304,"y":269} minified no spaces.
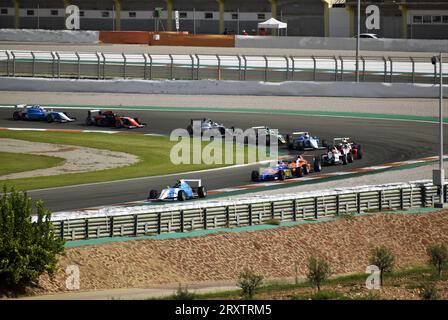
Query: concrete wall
{"x":21,"y":35}
{"x":405,"y":45}
{"x":204,"y":87}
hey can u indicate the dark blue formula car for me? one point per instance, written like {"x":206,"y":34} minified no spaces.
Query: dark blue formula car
{"x":39,"y":113}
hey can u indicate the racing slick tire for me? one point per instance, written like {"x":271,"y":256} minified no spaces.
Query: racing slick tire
{"x":202,"y":192}
{"x":49,"y":118}
{"x":299,"y":172}
{"x":344,"y":159}
{"x":181,"y":196}
{"x":255,"y":176}
{"x":281,"y":175}
{"x":153,"y":194}
{"x":349,"y":157}
{"x":317,"y":165}
{"x":118,"y":124}
{"x":305,"y":170}
{"x":89,"y":121}
{"x":359,"y":153}
{"x":16,"y":116}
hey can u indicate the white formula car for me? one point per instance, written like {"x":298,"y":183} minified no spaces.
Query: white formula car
{"x":334,"y":156}
{"x":184,"y":189}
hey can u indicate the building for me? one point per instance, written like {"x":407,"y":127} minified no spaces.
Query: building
{"x":333,"y":18}
{"x":413,"y":19}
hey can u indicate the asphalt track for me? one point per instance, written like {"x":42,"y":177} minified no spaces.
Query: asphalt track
{"x":383,"y":141}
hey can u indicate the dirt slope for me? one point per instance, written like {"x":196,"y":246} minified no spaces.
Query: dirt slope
{"x":346,"y":243}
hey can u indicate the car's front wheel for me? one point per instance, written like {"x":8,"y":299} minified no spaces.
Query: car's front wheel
{"x":255,"y":176}
{"x":202,"y":192}
{"x":16,"y":115}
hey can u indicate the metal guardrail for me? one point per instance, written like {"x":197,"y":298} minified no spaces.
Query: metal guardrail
{"x":101,"y":65}
{"x":203,"y":215}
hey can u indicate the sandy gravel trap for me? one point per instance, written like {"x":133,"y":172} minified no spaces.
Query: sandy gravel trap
{"x":77,"y":159}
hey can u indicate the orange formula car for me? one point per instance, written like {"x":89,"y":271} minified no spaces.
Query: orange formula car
{"x":300,"y":166}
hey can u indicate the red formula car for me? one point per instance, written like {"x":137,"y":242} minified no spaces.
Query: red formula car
{"x":110,"y":119}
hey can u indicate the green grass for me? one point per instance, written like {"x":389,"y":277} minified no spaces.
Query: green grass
{"x":153,"y":152}
{"x":20,"y":162}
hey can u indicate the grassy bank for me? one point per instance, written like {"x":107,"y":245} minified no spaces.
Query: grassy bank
{"x":153,"y":152}
{"x":19,"y":162}
{"x":400,"y":284}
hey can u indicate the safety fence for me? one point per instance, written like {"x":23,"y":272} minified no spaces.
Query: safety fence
{"x":101,"y":65}
{"x":202,"y":215}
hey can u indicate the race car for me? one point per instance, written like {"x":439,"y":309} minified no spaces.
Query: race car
{"x":286,"y":169}
{"x":269,"y":133}
{"x":301,"y":166}
{"x":334,"y":156}
{"x":39,"y":113}
{"x":206,"y":125}
{"x":280,"y":171}
{"x":346,"y":146}
{"x":304,"y":141}
{"x":184,"y":189}
{"x":110,"y":119}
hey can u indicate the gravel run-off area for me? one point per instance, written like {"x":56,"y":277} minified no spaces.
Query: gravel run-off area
{"x":77,"y":159}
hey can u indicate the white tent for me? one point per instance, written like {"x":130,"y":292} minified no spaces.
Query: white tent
{"x":273,"y":24}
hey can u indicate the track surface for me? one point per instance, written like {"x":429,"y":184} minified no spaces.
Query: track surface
{"x":383,"y":142}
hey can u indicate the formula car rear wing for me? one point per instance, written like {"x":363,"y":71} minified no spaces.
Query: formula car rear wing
{"x":189,"y":181}
{"x":341,"y":140}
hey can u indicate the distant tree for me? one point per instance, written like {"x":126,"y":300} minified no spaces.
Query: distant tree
{"x":27,"y":248}
{"x":249,"y":282}
{"x":384,"y":259}
{"x":438,"y":257}
{"x":318,"y":271}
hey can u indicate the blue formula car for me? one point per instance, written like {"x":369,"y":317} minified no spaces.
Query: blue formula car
{"x":183,"y":190}
{"x":304,"y":141}
{"x":39,"y":113}
{"x":281,"y":171}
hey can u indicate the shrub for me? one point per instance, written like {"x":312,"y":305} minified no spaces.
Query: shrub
{"x":318,"y":271}
{"x":184,"y":294}
{"x":384,"y":259}
{"x":27,"y":249}
{"x":249,"y":282}
{"x":438,"y":257}
{"x":428,"y":291}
